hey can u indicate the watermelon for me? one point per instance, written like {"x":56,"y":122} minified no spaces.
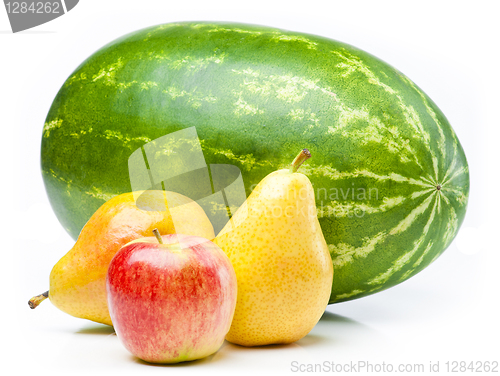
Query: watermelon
{"x":390,"y":176}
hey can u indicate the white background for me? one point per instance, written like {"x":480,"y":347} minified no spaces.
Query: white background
{"x":448,"y":312}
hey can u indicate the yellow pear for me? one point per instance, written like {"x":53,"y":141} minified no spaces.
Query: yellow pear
{"x":283,"y":267}
{"x":78,"y":280}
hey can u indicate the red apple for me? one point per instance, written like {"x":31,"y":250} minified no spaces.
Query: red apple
{"x":172,"y":301}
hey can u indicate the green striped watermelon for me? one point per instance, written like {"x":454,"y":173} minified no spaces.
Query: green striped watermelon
{"x":390,"y":176}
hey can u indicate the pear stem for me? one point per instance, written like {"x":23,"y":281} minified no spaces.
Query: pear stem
{"x":36,"y":300}
{"x":158,"y":236}
{"x":299,"y":159}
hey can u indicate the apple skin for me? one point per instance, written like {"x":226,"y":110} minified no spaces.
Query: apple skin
{"x":171,"y":302}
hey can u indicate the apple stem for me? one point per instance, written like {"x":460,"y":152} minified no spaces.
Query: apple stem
{"x":36,"y":300}
{"x":299,"y":159}
{"x":158,"y":236}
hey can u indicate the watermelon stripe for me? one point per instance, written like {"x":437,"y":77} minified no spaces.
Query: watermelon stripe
{"x":377,"y":132}
{"x":350,"y":294}
{"x":435,"y":166}
{"x":416,"y":194}
{"x":413,"y":119}
{"x":428,"y":180}
{"x":439,"y":204}
{"x":51,"y":125}
{"x":405,"y":258}
{"x":420,"y":259}
{"x":286,"y":87}
{"x":344,"y":208}
{"x":432,"y":113}
{"x":353,"y":63}
{"x":107,"y":75}
{"x":343,"y":253}
{"x":452,"y":164}
{"x":451,"y":227}
{"x":458,"y":172}
{"x":94,"y":191}
{"x":460,"y":198}
{"x":333,"y":174}
{"x":446,"y":199}
{"x":408,"y":221}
